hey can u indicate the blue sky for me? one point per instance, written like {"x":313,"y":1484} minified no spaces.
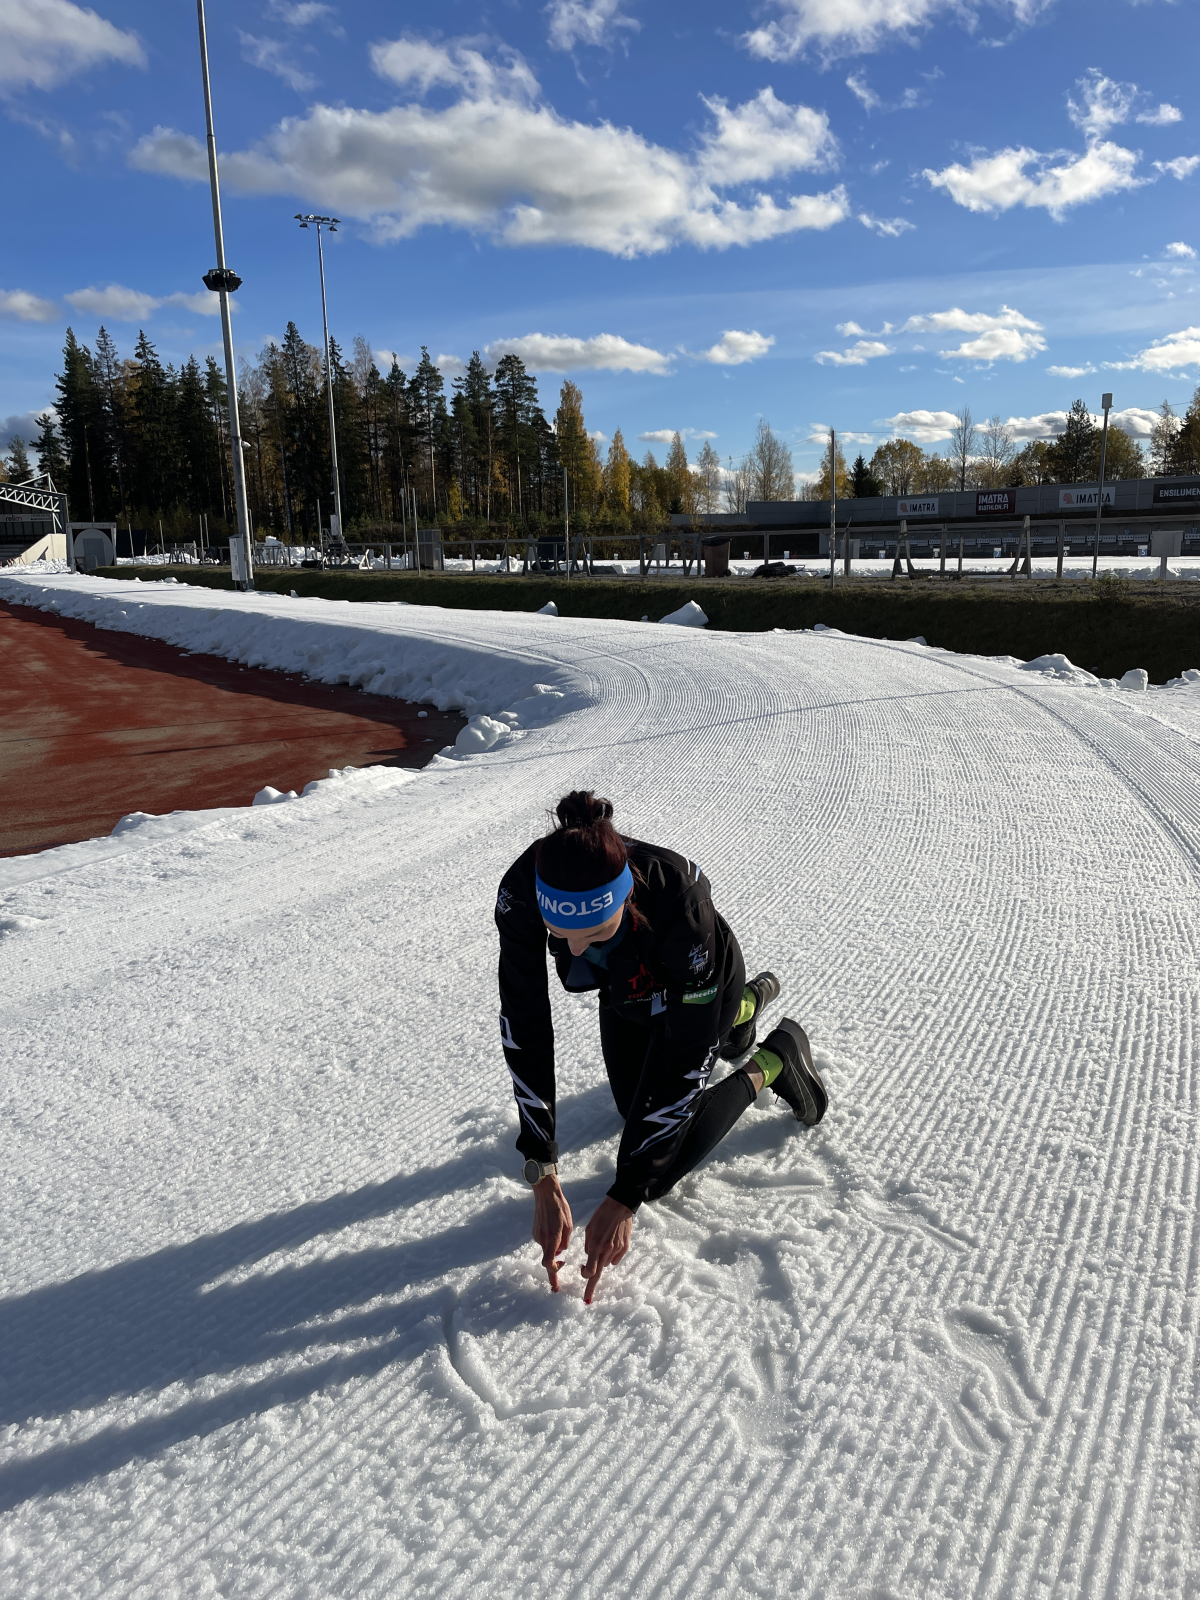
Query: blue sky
{"x":863,"y":213}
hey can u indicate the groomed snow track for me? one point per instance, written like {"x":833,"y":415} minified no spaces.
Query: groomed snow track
{"x":270,"y":1321}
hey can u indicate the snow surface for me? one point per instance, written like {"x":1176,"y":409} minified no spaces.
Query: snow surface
{"x":270,"y":1320}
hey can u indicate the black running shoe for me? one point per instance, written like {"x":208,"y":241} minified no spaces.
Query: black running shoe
{"x":799,"y":1083}
{"x":765,"y":988}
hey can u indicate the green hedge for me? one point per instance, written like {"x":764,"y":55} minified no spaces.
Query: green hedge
{"x":1108,"y":626}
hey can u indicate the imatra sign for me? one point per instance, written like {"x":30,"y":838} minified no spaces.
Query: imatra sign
{"x":1083,"y":497}
{"x":995,"y":502}
{"x":922,"y":507}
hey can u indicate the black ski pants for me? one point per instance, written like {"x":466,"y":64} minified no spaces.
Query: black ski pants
{"x":625,"y":1045}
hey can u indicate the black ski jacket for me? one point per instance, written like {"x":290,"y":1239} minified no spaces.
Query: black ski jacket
{"x":668,"y":972}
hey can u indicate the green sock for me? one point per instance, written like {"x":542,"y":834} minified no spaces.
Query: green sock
{"x":768,"y":1063}
{"x":747,"y":1008}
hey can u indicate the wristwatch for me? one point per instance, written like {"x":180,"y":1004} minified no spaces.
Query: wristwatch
{"x":535,"y":1171}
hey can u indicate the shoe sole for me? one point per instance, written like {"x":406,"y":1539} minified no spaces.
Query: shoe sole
{"x":813,"y":1093}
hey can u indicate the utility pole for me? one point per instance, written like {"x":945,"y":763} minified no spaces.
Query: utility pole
{"x":1106,"y":405}
{"x":221,"y":280}
{"x":332,"y":224}
{"x":832,"y":503}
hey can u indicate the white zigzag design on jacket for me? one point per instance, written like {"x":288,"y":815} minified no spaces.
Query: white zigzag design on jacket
{"x":528,"y":1103}
{"x":671,"y":1118}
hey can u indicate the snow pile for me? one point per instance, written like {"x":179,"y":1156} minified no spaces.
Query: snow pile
{"x":270,"y":1317}
{"x":689,"y":615}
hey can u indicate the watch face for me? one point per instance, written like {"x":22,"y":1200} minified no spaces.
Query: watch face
{"x":532,"y":1171}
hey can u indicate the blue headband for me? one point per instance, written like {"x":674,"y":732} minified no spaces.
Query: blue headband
{"x":583,"y":909}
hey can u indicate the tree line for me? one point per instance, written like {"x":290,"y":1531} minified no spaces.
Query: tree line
{"x":138,"y":442}
{"x":987,"y":456}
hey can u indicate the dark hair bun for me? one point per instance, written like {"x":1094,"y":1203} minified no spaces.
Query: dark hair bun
{"x":584,"y":850}
{"x":581,"y":808}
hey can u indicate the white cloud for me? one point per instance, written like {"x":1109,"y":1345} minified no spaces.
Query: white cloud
{"x":734,"y":347}
{"x":131,"y":305}
{"x":999,"y":182}
{"x":1103,"y":104}
{"x":862,"y":91}
{"x":657,"y":436}
{"x":857,"y":356}
{"x":999,"y":344}
{"x":606,"y":352}
{"x":1183,"y":251}
{"x":852,"y":27}
{"x":765,"y":139}
{"x":450,"y":366}
{"x":1069,"y":372}
{"x":26,"y":307}
{"x":44,"y":42}
{"x":1005,"y":335}
{"x":1134,"y":420}
{"x":1181,"y":167}
{"x":1171,"y":354}
{"x":922,"y":427}
{"x":299,"y":15}
{"x":889,"y":227}
{"x":1162,"y":116}
{"x":459,"y":64}
{"x":496,"y":163}
{"x":591,"y":22}
{"x":269,"y":54}
{"x":1047,"y":426}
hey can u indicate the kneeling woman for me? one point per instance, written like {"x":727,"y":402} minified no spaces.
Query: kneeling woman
{"x":637,"y":923}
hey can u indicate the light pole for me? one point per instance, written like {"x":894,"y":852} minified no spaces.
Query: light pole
{"x":1106,"y":405}
{"x":332,"y":224}
{"x":223,"y":281}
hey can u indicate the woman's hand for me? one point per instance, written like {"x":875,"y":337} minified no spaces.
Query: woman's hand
{"x":552,"y":1225}
{"x":606,"y":1241}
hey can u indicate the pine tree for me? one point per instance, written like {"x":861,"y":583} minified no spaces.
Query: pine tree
{"x":427,"y":408}
{"x":863,"y":482}
{"x":17,"y":466}
{"x":1073,"y":452}
{"x":152,"y":424}
{"x":81,"y":419}
{"x":111,"y":379}
{"x":517,"y":409}
{"x":51,"y":457}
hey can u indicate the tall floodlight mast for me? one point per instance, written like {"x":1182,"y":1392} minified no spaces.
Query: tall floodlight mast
{"x":332,"y":224}
{"x":222,"y":281}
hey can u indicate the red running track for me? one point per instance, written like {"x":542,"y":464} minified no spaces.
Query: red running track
{"x":96,"y":724}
